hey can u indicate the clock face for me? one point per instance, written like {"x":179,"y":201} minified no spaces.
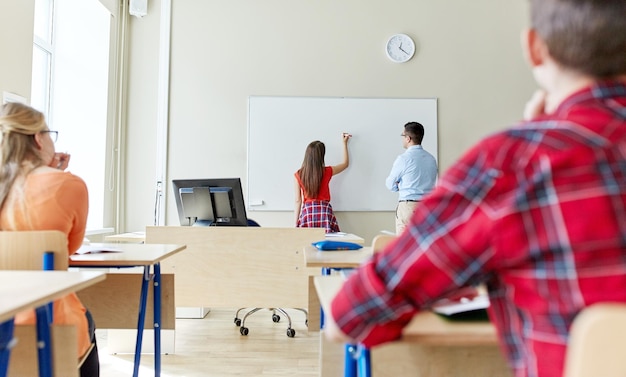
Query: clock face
{"x":400,"y":48}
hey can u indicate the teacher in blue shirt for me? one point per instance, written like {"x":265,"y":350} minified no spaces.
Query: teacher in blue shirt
{"x":413,"y":175}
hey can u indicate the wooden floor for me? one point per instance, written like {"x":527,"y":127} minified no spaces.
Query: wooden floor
{"x":213,"y":347}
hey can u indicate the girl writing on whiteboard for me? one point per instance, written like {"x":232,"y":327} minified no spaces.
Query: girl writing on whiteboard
{"x":312,"y":190}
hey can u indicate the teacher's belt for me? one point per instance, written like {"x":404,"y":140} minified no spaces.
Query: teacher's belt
{"x":408,"y":200}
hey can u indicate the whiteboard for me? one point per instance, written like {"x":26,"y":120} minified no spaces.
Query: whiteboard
{"x":280,"y":128}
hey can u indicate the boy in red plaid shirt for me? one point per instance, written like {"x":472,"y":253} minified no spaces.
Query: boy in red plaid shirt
{"x":536,"y":212}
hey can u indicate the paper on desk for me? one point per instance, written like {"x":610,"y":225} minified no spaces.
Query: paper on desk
{"x":93,"y":249}
{"x":337,"y":234}
{"x":449,"y":307}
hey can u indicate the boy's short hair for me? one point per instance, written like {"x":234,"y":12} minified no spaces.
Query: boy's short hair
{"x":588,"y":36}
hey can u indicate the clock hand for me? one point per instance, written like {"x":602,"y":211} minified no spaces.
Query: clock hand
{"x":402,"y":49}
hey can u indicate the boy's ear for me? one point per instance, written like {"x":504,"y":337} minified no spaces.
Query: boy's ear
{"x":535,"y":49}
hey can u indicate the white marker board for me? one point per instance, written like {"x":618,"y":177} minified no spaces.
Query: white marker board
{"x":280,"y":128}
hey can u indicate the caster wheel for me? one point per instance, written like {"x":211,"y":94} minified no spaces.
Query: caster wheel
{"x":275,"y":318}
{"x":243,"y":331}
{"x":237,"y":322}
{"x":291,"y":333}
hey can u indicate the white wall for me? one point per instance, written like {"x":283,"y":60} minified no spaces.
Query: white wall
{"x":16,"y":44}
{"x":224,"y":51}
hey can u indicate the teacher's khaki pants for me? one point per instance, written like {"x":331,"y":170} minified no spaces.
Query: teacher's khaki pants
{"x":404,"y":211}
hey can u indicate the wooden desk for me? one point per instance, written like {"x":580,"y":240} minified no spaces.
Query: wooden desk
{"x":336,"y":258}
{"x":22,"y":290}
{"x":430,"y":345}
{"x":236,"y":267}
{"x":137,"y":255}
{"x":326,"y":260}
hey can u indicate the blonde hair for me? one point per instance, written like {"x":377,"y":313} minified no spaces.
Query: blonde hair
{"x":18,"y":125}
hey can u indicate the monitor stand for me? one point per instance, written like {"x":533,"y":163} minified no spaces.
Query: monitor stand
{"x":203,"y":223}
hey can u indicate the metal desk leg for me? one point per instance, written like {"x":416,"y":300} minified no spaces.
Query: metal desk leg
{"x":6,"y":343}
{"x":363,"y":362}
{"x":349,"y":365}
{"x":44,"y":351}
{"x":142,"y":318}
{"x":157,"y":319}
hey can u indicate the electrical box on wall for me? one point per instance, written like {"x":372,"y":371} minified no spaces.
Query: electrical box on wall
{"x":138,"y":8}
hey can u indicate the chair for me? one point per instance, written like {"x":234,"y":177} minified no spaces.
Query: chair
{"x":243,"y":330}
{"x":597,"y":342}
{"x":24,"y":250}
{"x":380,"y":241}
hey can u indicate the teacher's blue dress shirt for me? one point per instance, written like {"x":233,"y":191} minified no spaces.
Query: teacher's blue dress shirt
{"x":414,"y":174}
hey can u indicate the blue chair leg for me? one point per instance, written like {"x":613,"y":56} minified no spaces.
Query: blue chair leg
{"x":48,"y":265}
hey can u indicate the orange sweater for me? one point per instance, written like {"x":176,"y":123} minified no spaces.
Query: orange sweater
{"x":55,"y":200}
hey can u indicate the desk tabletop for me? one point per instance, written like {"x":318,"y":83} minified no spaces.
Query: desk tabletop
{"x":336,"y":258}
{"x":21,"y":290}
{"x":139,"y":237}
{"x":345,"y":237}
{"x":127,"y":237}
{"x":131,"y":255}
{"x":426,"y":327}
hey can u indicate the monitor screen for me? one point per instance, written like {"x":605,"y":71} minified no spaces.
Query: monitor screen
{"x":211,"y":201}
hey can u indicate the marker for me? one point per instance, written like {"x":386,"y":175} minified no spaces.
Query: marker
{"x":346,"y":134}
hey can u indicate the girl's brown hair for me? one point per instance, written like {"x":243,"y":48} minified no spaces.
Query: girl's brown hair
{"x":312,"y":168}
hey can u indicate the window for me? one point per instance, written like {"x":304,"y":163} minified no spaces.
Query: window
{"x":42,"y":56}
{"x":70,"y":85}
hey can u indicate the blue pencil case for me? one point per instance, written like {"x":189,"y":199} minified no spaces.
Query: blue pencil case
{"x":336,"y":245}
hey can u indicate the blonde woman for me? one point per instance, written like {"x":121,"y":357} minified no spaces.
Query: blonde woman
{"x":312,"y":191}
{"x":37,"y":194}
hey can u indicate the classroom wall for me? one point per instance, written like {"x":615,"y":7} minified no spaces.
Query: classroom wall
{"x":468,"y":56}
{"x":16,"y":44}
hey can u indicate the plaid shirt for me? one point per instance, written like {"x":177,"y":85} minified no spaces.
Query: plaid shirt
{"x":536,"y":212}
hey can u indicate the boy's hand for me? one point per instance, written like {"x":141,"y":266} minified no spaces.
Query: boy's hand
{"x":536,"y":105}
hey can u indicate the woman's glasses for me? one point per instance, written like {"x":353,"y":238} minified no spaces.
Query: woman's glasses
{"x":54,"y":135}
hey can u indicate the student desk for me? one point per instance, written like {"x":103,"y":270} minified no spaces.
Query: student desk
{"x":237,"y":267}
{"x":326,"y":260}
{"x":136,"y":255}
{"x":430,"y":345}
{"x":22,"y":290}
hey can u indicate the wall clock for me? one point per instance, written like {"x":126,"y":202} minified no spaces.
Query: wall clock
{"x":400,"y":48}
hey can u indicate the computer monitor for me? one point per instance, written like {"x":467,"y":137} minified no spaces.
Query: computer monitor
{"x":210,"y":202}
